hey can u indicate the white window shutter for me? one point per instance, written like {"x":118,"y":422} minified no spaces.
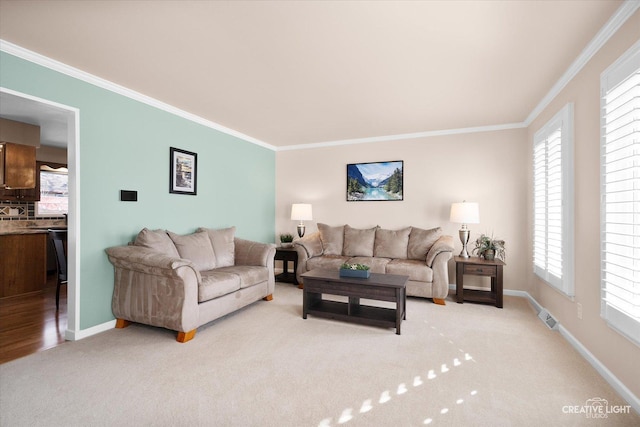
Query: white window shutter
{"x":553,"y":201}
{"x":620,"y":194}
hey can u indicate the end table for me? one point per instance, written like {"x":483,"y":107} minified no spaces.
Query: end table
{"x":285,"y":255}
{"x":477,"y":266}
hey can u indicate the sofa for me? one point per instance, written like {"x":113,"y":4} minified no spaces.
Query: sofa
{"x":181,"y":282}
{"x":422,"y":255}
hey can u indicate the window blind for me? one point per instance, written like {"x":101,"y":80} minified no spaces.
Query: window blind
{"x":553,"y":195}
{"x":620,"y":195}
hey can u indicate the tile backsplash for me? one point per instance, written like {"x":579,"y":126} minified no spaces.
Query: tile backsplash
{"x":20,"y":211}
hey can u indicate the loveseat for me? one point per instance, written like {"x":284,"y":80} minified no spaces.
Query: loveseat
{"x":421,"y":254}
{"x":181,"y":282}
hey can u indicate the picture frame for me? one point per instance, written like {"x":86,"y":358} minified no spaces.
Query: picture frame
{"x":183,"y":172}
{"x":375,"y":181}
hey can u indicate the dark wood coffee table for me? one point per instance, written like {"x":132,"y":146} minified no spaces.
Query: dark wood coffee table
{"x":380,"y":287}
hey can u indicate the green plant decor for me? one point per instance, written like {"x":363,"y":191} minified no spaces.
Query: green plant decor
{"x":347,"y":266}
{"x":286,"y":238}
{"x":485,"y":243}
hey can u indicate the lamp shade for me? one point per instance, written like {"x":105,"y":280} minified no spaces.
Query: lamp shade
{"x":465,"y":213}
{"x":301,"y":212}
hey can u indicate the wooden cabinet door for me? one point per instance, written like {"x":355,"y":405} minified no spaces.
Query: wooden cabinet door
{"x":23,"y":259}
{"x":19,"y":166}
{"x":28,"y":195}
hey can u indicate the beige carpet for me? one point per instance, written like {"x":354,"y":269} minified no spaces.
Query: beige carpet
{"x":462,"y":364}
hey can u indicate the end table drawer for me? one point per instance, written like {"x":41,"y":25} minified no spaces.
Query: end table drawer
{"x":484,"y":270}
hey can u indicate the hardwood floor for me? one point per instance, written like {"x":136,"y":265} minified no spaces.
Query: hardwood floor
{"x":30,"y":323}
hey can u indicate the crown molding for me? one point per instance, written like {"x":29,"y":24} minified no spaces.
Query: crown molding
{"x":402,"y":136}
{"x":624,"y":12}
{"x":60,"y":67}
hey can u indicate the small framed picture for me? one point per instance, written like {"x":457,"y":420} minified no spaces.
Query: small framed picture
{"x":375,"y":181}
{"x":183,"y":167}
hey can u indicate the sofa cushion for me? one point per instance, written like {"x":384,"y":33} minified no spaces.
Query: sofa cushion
{"x":223,"y":244}
{"x":158,"y":240}
{"x":391,"y":243}
{"x":328,"y":262}
{"x":249,"y":275}
{"x":420,"y":241}
{"x":331,"y":238}
{"x":416,"y":270}
{"x":377,"y":265}
{"x":196,"y":248}
{"x":216,"y":283}
{"x":358,"y":242}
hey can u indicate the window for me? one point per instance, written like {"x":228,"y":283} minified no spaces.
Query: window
{"x":553,"y":201}
{"x":54,"y":191}
{"x":620,"y":194}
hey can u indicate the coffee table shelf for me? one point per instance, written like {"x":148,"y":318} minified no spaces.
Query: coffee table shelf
{"x":363,"y":314}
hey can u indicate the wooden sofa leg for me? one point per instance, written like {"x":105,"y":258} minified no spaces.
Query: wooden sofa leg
{"x":121,"y":323}
{"x":300,"y":285}
{"x":186,"y":336}
{"x":268,"y":297}
{"x":439,"y":301}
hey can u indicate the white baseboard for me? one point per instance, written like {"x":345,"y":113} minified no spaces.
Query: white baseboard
{"x":613,"y":381}
{"x":70,"y":335}
{"x":617,"y":385}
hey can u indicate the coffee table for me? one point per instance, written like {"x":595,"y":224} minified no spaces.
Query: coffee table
{"x":380,"y":287}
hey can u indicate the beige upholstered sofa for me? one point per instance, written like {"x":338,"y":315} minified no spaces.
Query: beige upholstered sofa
{"x":182,"y":282}
{"x":422,"y":255}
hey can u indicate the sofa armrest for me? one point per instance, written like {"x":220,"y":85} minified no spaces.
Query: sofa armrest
{"x":154,"y":289}
{"x":311,"y":244}
{"x":443,"y":244}
{"x":145,"y":260}
{"x":307,"y":247}
{"x":248,"y":252}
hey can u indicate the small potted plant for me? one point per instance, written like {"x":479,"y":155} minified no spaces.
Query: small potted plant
{"x":489,"y":248}
{"x":286,"y":240}
{"x":354,"y":270}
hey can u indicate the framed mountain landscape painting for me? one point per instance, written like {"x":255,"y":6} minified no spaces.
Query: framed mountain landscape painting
{"x":375,"y":181}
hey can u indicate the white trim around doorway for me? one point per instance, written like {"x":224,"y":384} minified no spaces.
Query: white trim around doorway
{"x":73,"y":331}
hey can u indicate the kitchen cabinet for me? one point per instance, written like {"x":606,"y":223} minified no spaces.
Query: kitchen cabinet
{"x":26,"y":195}
{"x":23,"y":260}
{"x":17,"y":166}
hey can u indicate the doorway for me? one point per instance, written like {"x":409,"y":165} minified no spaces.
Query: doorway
{"x":59,"y":125}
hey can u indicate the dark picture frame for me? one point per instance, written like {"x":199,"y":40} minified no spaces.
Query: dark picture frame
{"x":375,"y":181}
{"x":183,"y":171}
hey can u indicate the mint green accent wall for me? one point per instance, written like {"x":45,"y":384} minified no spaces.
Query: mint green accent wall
{"x":124,"y":144}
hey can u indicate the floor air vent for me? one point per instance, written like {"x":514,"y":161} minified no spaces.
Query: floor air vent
{"x":548,"y":319}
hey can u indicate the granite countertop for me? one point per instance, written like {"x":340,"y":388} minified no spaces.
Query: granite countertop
{"x":22,"y":231}
{"x":31,"y":229}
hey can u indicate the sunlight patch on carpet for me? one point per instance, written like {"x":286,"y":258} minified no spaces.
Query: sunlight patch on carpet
{"x":402,"y":389}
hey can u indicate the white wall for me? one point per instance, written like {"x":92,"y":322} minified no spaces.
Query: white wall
{"x":485,"y":167}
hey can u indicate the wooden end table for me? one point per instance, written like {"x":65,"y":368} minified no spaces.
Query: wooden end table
{"x":477,"y":266}
{"x":285,"y":255}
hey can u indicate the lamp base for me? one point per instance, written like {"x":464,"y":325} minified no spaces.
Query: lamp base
{"x":301,"y":230}
{"x":464,"y":238}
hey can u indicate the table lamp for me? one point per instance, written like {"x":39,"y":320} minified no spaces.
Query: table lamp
{"x":301,"y":212}
{"x":465,"y":213}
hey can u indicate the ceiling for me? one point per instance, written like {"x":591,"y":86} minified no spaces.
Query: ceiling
{"x":291,"y":73}
{"x":52,"y":120}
